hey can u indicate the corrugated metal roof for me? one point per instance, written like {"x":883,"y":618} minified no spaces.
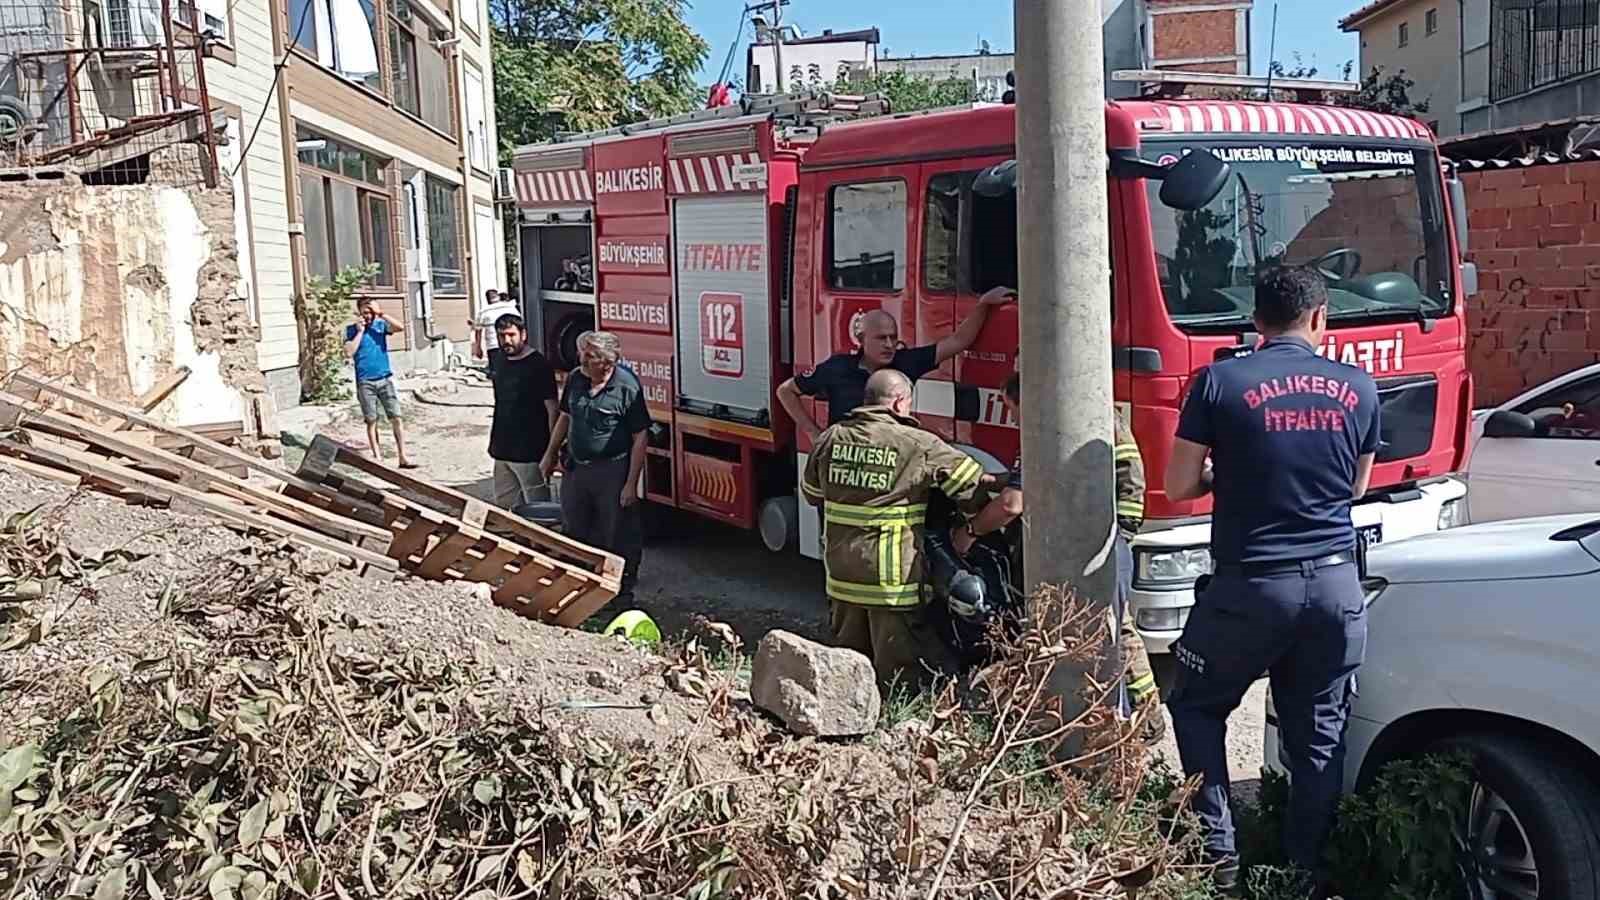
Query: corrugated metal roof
{"x":1538,"y":159}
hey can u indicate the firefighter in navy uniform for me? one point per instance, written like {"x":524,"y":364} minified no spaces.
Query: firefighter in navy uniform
{"x":872,"y":474}
{"x":841,"y":379}
{"x":1291,"y":439}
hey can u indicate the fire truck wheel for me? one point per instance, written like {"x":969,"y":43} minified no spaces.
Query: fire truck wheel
{"x":780,"y":523}
{"x":564,"y":339}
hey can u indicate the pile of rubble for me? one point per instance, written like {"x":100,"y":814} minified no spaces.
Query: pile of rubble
{"x":194,"y":713}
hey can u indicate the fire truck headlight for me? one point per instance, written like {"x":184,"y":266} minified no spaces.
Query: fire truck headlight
{"x":1162,"y":619}
{"x":1450,"y":514}
{"x":1171,"y":568}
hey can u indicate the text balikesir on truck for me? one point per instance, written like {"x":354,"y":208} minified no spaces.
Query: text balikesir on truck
{"x":734,"y":247}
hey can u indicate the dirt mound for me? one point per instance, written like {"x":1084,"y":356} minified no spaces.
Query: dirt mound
{"x":195,"y":713}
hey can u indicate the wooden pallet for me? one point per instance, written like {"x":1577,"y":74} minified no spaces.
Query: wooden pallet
{"x":325,"y":454}
{"x":100,"y":468}
{"x":535,"y":572}
{"x":198,"y":444}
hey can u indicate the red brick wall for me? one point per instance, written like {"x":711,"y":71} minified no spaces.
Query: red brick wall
{"x":1196,"y":34}
{"x":1535,"y":236}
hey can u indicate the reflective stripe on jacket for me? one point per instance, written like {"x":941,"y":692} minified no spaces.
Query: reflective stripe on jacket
{"x":1130,"y":479}
{"x":871,"y":474}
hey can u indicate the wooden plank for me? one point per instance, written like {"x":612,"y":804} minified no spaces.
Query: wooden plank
{"x":70,"y":479}
{"x":445,"y":555}
{"x":89,"y":464}
{"x":233,"y":455}
{"x":190,"y":473}
{"x":548,"y":601}
{"x":325,"y":453}
{"x":492,"y":566}
{"x":527,"y":582}
{"x":162,"y":389}
{"x":13,"y":456}
{"x":580,"y":608}
{"x":411,"y":539}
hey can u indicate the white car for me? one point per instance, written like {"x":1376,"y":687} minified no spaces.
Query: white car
{"x":1486,"y":638}
{"x":1539,"y":454}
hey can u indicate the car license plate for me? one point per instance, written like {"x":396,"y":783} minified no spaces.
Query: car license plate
{"x":1370,"y":536}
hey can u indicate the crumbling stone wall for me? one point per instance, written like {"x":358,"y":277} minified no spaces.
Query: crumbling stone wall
{"x":1534,"y":233}
{"x":114,"y":287}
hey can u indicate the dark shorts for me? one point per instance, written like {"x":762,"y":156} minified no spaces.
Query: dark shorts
{"x":375,"y":395}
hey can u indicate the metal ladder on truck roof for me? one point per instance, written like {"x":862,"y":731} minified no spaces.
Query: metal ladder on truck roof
{"x":809,"y":107}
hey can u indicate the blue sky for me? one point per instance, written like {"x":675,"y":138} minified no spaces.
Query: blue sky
{"x":926,"y":27}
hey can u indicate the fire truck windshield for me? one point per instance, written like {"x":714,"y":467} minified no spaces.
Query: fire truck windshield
{"x":1370,"y":218}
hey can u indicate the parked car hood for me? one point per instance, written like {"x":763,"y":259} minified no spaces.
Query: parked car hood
{"x":1497,"y":551}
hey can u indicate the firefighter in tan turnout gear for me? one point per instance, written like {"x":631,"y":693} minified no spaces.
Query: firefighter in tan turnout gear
{"x":871,"y":473}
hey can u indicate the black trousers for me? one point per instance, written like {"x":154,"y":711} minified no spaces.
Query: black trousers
{"x":1306,"y":628}
{"x":592,"y":512}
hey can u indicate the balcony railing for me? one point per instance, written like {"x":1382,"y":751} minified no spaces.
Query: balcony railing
{"x":1535,"y":43}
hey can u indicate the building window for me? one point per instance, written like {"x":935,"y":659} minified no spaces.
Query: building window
{"x":1430,"y":21}
{"x":867,"y":235}
{"x":345,"y":206}
{"x":1533,"y":43}
{"x":204,"y":16}
{"x":421,"y":77}
{"x":403,"y":59}
{"x":444,"y":237}
{"x":1405,"y":33}
{"x":477,"y":122}
{"x":340,"y":34}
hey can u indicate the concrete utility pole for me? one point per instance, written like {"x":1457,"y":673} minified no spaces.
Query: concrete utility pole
{"x":1065,"y":307}
{"x":776,"y":31}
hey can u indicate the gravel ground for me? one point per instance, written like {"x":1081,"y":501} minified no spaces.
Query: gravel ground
{"x":692,"y":568}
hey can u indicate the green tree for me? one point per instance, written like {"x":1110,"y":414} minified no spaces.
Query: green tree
{"x":1387,"y":94}
{"x":326,"y":307}
{"x":1379,"y":92}
{"x":580,"y":65}
{"x":909,"y":93}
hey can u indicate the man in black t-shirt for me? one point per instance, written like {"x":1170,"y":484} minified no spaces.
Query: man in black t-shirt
{"x":841,"y":380}
{"x":1292,"y":439}
{"x":524,"y":415}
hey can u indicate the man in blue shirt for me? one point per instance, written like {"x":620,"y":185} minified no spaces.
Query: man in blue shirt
{"x":366,"y":343}
{"x":1292,"y":439}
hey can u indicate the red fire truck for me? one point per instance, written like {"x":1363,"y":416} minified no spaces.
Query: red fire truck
{"x":732,"y":249}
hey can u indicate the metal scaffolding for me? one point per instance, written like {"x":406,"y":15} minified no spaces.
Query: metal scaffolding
{"x":97,"y":86}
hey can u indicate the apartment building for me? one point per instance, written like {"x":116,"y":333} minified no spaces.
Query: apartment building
{"x":1488,"y":65}
{"x":818,"y":61}
{"x":1422,"y":38}
{"x":360,"y":132}
{"x":1124,"y":32}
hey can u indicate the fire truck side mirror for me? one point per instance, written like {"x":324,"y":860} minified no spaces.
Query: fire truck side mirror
{"x":1458,"y":212}
{"x":1194,"y":181}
